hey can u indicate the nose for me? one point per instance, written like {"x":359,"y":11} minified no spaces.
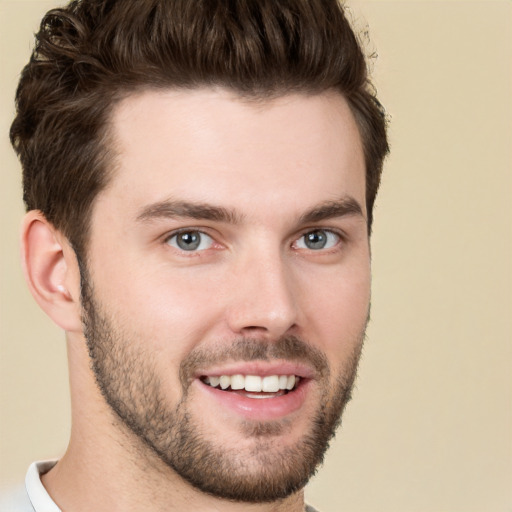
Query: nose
{"x":264,"y":302}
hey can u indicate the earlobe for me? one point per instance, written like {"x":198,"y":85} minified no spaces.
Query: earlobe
{"x":51,"y":271}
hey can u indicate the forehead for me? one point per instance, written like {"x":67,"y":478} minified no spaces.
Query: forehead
{"x":209,"y":145}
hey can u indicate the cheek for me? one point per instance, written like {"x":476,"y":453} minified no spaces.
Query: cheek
{"x":337,"y":311}
{"x":170,"y":311}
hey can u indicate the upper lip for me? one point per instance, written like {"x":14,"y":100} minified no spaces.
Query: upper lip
{"x":261,"y":368}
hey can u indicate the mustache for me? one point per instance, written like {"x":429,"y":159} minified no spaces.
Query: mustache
{"x":291,"y":348}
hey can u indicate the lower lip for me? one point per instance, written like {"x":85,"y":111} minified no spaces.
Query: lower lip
{"x":262,"y":409}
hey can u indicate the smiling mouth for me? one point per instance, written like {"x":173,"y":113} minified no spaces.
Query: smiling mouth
{"x":254,"y":386}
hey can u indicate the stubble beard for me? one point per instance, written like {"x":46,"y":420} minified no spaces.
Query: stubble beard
{"x":125,"y":374}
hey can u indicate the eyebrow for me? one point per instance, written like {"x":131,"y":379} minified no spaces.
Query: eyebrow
{"x":184,"y":209}
{"x":346,"y":206}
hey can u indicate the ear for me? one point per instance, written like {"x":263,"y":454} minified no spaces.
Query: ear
{"x":51,"y":271}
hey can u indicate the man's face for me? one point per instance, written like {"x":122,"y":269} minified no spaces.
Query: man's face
{"x":227,"y":284}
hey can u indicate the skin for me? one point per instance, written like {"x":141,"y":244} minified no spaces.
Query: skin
{"x":268,"y":164}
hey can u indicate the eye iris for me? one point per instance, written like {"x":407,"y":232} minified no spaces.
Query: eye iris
{"x":188,"y":241}
{"x":315,"y":240}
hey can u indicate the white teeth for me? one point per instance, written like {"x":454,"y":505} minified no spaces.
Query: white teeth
{"x":254,"y":383}
{"x":237,"y":382}
{"x":291,"y":382}
{"x":270,"y":384}
{"x":225,"y":381}
{"x":214,"y":381}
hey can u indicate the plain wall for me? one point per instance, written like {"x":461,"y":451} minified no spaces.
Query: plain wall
{"x":430,"y":426}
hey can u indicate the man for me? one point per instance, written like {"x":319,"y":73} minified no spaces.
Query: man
{"x":199,"y":179}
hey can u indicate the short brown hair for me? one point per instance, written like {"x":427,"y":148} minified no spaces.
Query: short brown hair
{"x":93,"y":52}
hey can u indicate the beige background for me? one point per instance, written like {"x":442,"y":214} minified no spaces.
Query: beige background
{"x":430,"y":428}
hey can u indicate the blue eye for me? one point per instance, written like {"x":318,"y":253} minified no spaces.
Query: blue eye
{"x":318,"y":240}
{"x":190,"y":241}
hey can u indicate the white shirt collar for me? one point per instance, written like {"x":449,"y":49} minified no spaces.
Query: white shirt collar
{"x":38,"y":495}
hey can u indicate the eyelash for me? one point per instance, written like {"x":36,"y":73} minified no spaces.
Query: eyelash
{"x":341,"y":238}
{"x":330,"y":233}
{"x":185,"y":231}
